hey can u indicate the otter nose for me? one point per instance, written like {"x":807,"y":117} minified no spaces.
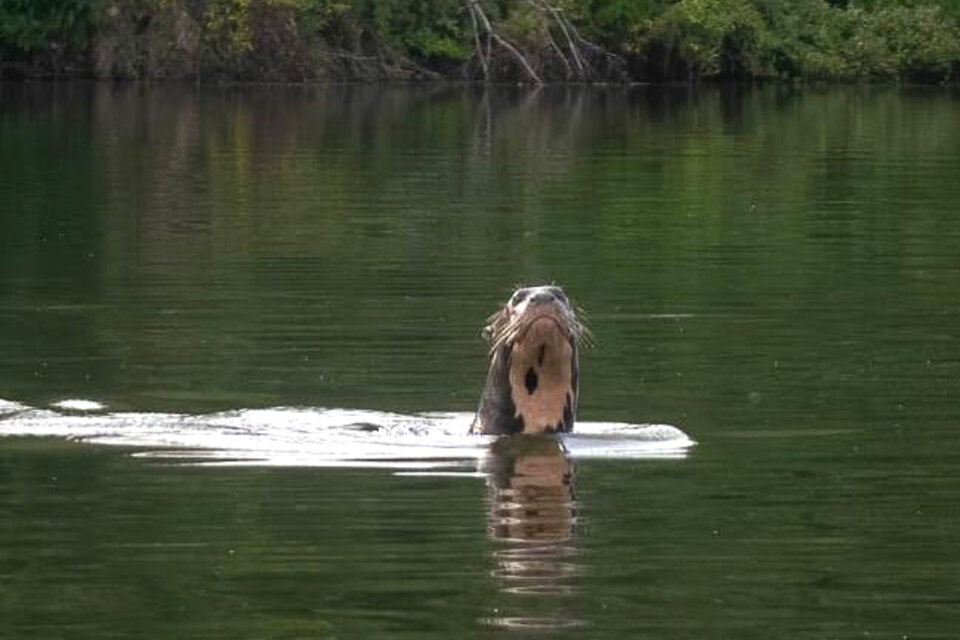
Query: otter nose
{"x":542,"y":297}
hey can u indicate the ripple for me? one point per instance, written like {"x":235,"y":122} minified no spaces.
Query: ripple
{"x":533,"y":623}
{"x":435,"y":442}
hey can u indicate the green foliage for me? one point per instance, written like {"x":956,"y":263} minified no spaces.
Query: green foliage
{"x":919,"y":39}
{"x":912,"y":42}
{"x":714,"y":37}
{"x":662,"y":39}
{"x":423,"y":28}
{"x":621,"y":15}
{"x":31,"y":25}
{"x":227,"y":28}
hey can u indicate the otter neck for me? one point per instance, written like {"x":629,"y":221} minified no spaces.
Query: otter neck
{"x":541,"y":377}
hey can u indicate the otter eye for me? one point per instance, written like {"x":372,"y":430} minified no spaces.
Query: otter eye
{"x":519,"y":296}
{"x":559,"y":294}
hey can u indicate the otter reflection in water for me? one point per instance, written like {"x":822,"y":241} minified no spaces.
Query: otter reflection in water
{"x":532,"y":517}
{"x":532,"y":381}
{"x":532,"y":388}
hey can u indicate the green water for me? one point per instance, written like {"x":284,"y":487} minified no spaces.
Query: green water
{"x":775,"y":271}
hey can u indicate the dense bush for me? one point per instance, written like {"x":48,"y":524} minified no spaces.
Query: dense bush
{"x":800,"y":39}
{"x":695,"y":38}
{"x":31,"y":25}
{"x":43,"y":33}
{"x":386,"y":39}
{"x":904,"y":41}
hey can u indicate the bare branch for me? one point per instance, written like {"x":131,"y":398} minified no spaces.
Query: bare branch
{"x":574,"y":53}
{"x":583,"y":54}
{"x":519,"y":56}
{"x":480,"y":20}
{"x":479,"y":47}
{"x":560,"y":54}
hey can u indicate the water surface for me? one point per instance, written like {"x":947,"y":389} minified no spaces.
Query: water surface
{"x":775,"y":272}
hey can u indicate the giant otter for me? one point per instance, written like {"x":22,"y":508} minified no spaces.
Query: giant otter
{"x":532,"y":381}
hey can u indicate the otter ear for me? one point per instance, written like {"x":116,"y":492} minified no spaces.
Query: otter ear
{"x":494,"y":324}
{"x":487,"y":333}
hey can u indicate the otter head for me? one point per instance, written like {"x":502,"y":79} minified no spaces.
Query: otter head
{"x":532,"y":381}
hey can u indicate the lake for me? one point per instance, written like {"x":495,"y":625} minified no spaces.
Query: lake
{"x":230,"y":276}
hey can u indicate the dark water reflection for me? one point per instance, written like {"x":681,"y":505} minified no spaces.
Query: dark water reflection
{"x":776,"y":271}
{"x":533,"y":517}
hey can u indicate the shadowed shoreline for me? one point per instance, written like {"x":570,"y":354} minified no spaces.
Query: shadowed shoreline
{"x":514,"y":41}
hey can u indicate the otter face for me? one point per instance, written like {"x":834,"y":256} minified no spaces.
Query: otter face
{"x":532,"y":382}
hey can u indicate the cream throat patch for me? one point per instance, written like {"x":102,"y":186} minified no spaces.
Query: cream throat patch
{"x":541,"y":378}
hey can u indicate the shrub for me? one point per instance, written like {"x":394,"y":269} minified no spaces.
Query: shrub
{"x":708,"y":38}
{"x":906,"y":42}
{"x":39,"y":36}
{"x":31,"y":25}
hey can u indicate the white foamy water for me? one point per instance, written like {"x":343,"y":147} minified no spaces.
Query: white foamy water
{"x":302,"y":436}
{"x":73,"y":404}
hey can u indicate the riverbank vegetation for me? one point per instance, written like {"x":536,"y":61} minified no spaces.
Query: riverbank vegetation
{"x":534,"y":41}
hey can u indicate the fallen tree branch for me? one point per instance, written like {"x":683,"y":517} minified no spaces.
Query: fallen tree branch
{"x":560,"y":54}
{"x":400,"y":65}
{"x":580,"y":48}
{"x":582,"y":66}
{"x":478,"y":48}
{"x":481,"y":22}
